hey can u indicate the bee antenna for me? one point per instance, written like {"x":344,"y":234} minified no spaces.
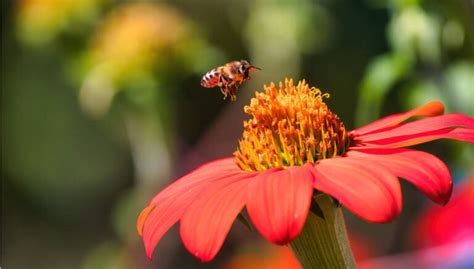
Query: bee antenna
{"x":258,"y":68}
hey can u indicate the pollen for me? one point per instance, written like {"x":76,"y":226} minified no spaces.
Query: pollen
{"x":290,"y":125}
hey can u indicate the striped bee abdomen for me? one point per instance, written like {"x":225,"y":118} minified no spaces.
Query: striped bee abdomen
{"x":211,"y":78}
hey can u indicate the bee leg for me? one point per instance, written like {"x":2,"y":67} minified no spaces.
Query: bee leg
{"x":224,"y":91}
{"x":233,"y":93}
{"x":224,"y":87}
{"x":229,"y":91}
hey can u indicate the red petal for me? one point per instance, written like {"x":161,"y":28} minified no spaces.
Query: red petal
{"x":425,"y":171}
{"x":142,"y":218}
{"x":208,"y":220}
{"x":207,"y":172}
{"x":171,"y":203}
{"x":365,"y":188}
{"x":278,"y":202}
{"x":427,"y":110}
{"x":421,"y":126}
{"x":460,"y":134}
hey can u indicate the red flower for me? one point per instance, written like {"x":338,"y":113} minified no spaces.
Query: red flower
{"x":451,"y":225}
{"x":293,"y":145}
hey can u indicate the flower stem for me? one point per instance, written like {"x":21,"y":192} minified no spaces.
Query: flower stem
{"x":323,"y":243}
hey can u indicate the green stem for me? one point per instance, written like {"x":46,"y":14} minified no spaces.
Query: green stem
{"x":323,"y":243}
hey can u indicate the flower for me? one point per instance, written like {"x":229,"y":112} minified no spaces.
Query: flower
{"x":292,"y":146}
{"x":441,"y":237}
{"x":452,"y":225}
{"x":136,"y":35}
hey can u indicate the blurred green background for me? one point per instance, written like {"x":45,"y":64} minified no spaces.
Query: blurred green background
{"x":102,"y":107}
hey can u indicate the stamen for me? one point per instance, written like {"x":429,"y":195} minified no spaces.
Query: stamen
{"x":290,"y":126}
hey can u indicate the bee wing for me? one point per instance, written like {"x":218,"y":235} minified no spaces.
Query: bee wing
{"x":211,"y":78}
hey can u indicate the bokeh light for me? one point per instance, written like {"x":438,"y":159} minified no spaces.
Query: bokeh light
{"x":102,"y":107}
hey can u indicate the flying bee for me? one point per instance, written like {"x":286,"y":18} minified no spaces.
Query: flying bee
{"x":228,"y":77}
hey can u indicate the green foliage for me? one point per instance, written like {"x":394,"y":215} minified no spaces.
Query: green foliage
{"x":422,"y":37}
{"x":382,"y":74}
{"x":100,"y":111}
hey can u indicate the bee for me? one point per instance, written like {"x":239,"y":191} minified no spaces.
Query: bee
{"x":228,"y":77}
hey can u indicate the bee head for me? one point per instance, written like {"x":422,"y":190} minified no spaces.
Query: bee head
{"x":245,"y":67}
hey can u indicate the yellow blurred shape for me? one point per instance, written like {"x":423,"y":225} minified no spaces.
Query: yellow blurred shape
{"x":39,"y":21}
{"x":133,"y":35}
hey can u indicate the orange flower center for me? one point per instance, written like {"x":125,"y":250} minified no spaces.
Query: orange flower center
{"x":290,"y":126}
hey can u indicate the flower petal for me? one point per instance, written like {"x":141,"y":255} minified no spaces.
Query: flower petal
{"x":208,"y":220}
{"x":213,"y":170}
{"x":142,"y":218}
{"x":278,"y":202}
{"x":171,"y":203}
{"x":430,"y":109}
{"x":428,"y":173}
{"x":421,"y":126}
{"x":367,"y":189}
{"x":460,"y":134}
